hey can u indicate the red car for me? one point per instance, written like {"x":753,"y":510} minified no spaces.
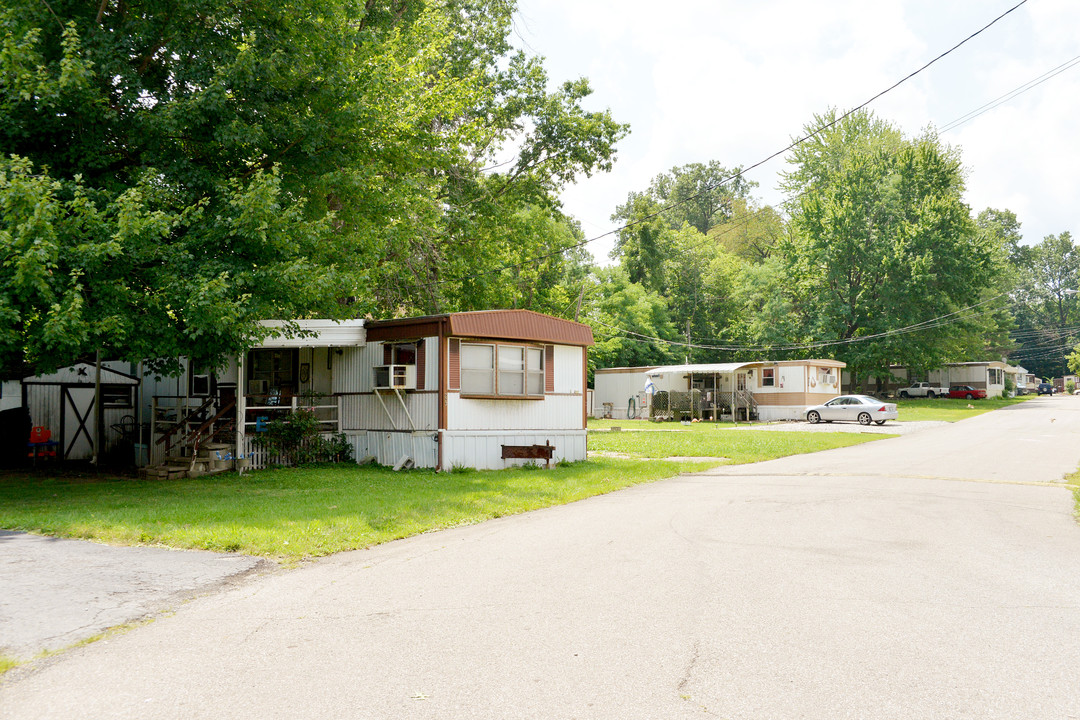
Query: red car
{"x":966,"y":391}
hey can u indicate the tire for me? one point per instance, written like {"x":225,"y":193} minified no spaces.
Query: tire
{"x":903,"y":394}
{"x":931,"y":395}
{"x":813,"y":417}
{"x":969,"y":396}
{"x":865,"y":419}
{"x":879,"y":422}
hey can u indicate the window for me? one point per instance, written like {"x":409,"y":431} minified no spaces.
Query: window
{"x":509,"y":370}
{"x":826,"y":376}
{"x":273,"y":371}
{"x":477,"y":369}
{"x":116,"y":396}
{"x":996,"y":376}
{"x":768,"y":377}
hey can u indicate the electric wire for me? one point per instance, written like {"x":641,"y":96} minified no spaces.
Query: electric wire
{"x":739,"y":171}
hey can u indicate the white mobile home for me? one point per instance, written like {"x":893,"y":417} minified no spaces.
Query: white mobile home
{"x":764,"y":390}
{"x":492,"y":389}
{"x":487,"y":389}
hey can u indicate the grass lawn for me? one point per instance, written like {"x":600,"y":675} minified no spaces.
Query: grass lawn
{"x":290,"y":514}
{"x":951,"y":410}
{"x":740,"y":444}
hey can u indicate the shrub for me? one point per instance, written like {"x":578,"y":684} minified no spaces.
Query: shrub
{"x":1070,"y":387}
{"x":297,"y":439}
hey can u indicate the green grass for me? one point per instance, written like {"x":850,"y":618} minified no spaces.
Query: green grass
{"x":951,"y":410}
{"x":740,"y":444}
{"x":7,"y":663}
{"x":291,"y":514}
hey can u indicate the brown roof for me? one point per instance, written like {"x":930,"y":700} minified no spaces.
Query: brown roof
{"x":488,"y":324}
{"x":519,"y":325}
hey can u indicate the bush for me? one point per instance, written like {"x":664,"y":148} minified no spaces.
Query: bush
{"x":1070,"y":387}
{"x":297,"y":439}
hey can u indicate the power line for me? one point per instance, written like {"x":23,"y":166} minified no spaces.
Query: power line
{"x":940,"y":321}
{"x":739,"y":171}
{"x":1014,"y":93}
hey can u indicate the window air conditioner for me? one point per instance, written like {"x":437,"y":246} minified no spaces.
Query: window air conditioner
{"x":395,"y":377}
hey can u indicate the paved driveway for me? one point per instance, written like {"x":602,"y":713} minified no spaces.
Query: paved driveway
{"x":809,"y":587}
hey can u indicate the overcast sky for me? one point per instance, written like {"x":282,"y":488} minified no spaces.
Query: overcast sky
{"x":736,"y":80}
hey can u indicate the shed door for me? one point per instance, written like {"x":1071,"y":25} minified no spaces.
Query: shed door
{"x":78,"y":423}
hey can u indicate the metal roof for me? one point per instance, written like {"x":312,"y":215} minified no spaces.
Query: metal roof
{"x":82,"y":374}
{"x":704,"y":369}
{"x":344,"y":333}
{"x":520,"y":325}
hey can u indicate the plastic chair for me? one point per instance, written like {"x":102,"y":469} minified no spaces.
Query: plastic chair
{"x":41,"y":443}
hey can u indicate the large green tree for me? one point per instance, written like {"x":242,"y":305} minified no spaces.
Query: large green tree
{"x":175,"y":172}
{"x":883,"y":246}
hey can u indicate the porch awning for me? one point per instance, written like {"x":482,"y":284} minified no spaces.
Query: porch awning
{"x":703,"y":369}
{"x":316,"y":333}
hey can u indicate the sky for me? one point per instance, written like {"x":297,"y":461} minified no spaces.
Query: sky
{"x":736,"y":80}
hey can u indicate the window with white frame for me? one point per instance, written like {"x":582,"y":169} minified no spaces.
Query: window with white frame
{"x":503,"y":370}
{"x":768,"y":377}
{"x":826,"y":376}
{"x":996,"y":376}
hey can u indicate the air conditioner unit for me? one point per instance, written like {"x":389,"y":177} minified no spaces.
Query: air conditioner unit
{"x":395,"y":377}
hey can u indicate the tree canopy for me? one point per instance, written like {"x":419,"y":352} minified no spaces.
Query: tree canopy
{"x":176,"y":172}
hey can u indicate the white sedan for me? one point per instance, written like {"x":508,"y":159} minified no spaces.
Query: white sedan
{"x":861,"y":408}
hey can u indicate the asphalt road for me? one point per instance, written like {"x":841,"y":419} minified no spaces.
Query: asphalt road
{"x":935,"y":575}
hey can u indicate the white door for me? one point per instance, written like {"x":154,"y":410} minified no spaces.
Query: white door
{"x":78,"y":423}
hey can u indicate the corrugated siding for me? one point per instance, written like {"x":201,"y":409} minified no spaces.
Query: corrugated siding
{"x":352,"y":370}
{"x":364,"y":412}
{"x":431,"y":364}
{"x":389,"y":448}
{"x":483,"y":450}
{"x":558,"y":412}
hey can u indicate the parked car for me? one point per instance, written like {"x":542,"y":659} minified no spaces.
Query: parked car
{"x":966,"y":391}
{"x":855,"y":408}
{"x":1046,"y":389}
{"x":922,"y":389}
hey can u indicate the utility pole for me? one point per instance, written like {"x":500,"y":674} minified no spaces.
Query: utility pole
{"x":688,"y":351}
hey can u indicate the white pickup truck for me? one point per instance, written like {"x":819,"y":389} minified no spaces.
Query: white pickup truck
{"x":923,"y":389}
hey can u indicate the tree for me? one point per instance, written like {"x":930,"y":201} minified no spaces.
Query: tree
{"x":268,"y":159}
{"x":1046,"y":305}
{"x":631,"y":324}
{"x":883,"y":246}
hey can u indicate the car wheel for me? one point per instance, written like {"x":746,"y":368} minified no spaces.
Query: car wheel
{"x":813,"y":417}
{"x":931,"y":395}
{"x":864,"y":418}
{"x":903,"y":394}
{"x":969,"y":396}
{"x":879,"y":422}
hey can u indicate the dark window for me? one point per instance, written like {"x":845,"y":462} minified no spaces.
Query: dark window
{"x":117,"y":396}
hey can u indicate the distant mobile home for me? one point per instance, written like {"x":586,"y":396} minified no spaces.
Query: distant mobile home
{"x":763,"y":390}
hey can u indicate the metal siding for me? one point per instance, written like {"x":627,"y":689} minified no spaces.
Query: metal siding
{"x":349,"y":369}
{"x":483,"y":450}
{"x":617,"y":389}
{"x":558,"y":412}
{"x":567,"y":369}
{"x":389,"y":447}
{"x":363,"y":412}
